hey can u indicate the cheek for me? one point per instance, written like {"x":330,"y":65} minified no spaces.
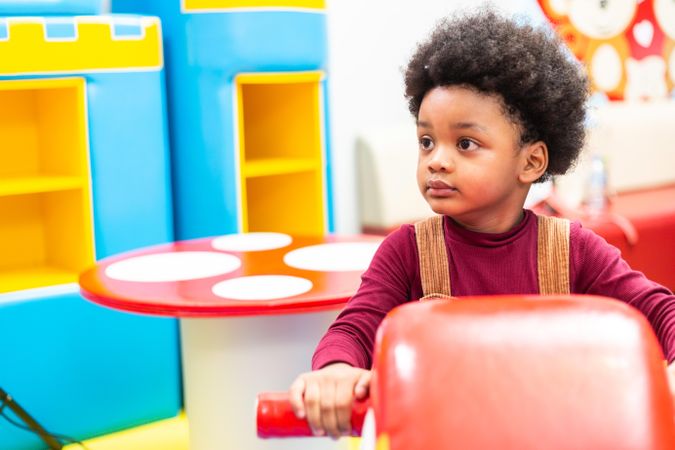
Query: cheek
{"x":421,"y":169}
{"x":476,"y":180}
{"x":420,"y":176}
{"x":488,"y":181}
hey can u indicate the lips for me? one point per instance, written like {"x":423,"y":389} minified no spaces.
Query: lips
{"x":438,"y":184}
{"x":439,"y":188}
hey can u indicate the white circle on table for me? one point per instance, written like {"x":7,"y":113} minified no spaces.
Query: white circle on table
{"x":251,"y":242}
{"x":262,"y":287}
{"x":173,"y":266}
{"x":337,"y":257}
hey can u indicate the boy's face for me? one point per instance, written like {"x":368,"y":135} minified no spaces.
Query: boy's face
{"x":470,"y":164}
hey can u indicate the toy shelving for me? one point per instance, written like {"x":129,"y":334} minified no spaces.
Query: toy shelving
{"x":45,"y":200}
{"x":84,"y":174}
{"x":280,"y":150}
{"x":248,"y":117}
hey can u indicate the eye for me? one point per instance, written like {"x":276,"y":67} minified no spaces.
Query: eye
{"x":426,"y":143}
{"x":466,"y":145}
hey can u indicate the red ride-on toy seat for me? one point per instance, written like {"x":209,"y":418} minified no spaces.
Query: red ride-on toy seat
{"x":513,"y":372}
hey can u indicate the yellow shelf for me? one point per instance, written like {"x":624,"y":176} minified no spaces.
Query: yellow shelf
{"x":36,"y":184}
{"x":46,"y":231}
{"x":39,"y":83}
{"x":281,"y":147}
{"x":279,"y":166}
{"x":28,"y":278}
{"x":312,"y":76}
{"x":217,"y":5}
{"x":286,"y":203}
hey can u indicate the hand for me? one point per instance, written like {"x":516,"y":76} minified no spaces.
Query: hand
{"x":325,"y":397}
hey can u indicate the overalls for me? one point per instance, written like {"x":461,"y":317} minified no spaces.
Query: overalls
{"x":553,"y":255}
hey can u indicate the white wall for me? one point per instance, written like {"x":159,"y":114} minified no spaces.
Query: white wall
{"x":370,"y":42}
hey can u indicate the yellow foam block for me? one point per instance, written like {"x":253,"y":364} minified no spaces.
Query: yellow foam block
{"x":215,"y":5}
{"x":95,"y":46}
{"x":169,"y":434}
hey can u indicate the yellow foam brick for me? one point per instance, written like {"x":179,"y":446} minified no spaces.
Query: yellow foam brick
{"x":169,"y":434}
{"x":95,"y":48}
{"x":206,"y":5}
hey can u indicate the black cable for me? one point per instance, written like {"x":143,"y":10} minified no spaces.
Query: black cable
{"x":60,"y":437}
{"x":6,"y":402}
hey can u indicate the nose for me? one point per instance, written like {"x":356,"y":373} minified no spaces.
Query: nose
{"x":441,"y":160}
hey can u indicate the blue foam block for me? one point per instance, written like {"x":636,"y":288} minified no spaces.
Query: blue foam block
{"x":83,"y":370}
{"x":49,"y":7}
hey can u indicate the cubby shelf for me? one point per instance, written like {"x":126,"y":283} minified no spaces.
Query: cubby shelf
{"x":46,"y":235}
{"x":279,"y":166}
{"x":281,"y":150}
{"x":36,"y":184}
{"x":18,"y":279}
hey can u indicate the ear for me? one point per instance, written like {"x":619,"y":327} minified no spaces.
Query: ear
{"x":535,"y":161}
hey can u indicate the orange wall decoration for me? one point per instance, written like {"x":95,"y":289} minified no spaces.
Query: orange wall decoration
{"x":628,"y":46}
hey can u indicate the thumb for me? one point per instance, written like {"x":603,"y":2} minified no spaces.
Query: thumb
{"x":296,"y":399}
{"x":362,"y":386}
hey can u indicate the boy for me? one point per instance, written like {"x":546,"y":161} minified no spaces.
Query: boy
{"x":499,"y":106}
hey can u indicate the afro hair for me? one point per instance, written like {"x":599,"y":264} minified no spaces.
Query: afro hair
{"x":542,"y":88}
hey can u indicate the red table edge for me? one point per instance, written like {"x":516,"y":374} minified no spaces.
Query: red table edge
{"x":246,"y":310}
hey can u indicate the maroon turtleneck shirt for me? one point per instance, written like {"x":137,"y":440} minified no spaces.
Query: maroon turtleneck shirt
{"x":487,"y":264}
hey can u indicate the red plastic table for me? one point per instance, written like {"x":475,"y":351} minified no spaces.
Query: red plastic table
{"x":652,"y":214}
{"x":252,"y":307}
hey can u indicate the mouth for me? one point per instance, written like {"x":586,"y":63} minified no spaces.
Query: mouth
{"x":438,"y":188}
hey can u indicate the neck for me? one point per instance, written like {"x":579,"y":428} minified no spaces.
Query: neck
{"x":494,"y":225}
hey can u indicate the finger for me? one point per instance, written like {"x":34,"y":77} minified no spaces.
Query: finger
{"x":313,"y":407}
{"x":362,"y":387}
{"x":295,"y":397}
{"x":328,"y":416}
{"x":344,"y":396}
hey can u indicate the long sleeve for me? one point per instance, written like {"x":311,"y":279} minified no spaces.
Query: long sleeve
{"x":600,"y":270}
{"x":486,"y":264}
{"x":386,"y":284}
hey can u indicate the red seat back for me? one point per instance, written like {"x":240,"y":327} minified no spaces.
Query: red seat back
{"x":568,"y":372}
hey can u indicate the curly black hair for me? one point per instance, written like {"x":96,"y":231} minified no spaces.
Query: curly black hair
{"x":542,"y":88}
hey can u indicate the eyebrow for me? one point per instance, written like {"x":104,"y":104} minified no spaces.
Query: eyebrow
{"x":457,"y":126}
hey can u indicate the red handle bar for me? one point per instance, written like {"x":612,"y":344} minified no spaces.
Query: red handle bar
{"x":275,"y":418}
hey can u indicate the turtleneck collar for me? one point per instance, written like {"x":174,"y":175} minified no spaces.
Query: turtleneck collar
{"x":456,"y":232}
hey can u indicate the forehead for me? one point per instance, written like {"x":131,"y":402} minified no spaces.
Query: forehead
{"x":462,"y":103}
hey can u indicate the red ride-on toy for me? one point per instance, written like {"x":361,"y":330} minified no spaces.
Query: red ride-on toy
{"x":509,"y":373}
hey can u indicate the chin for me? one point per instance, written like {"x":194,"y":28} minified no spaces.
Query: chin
{"x":440,"y":210}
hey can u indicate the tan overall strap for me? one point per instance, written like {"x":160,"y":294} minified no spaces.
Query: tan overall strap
{"x":434,"y":270}
{"x":553,"y":255}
